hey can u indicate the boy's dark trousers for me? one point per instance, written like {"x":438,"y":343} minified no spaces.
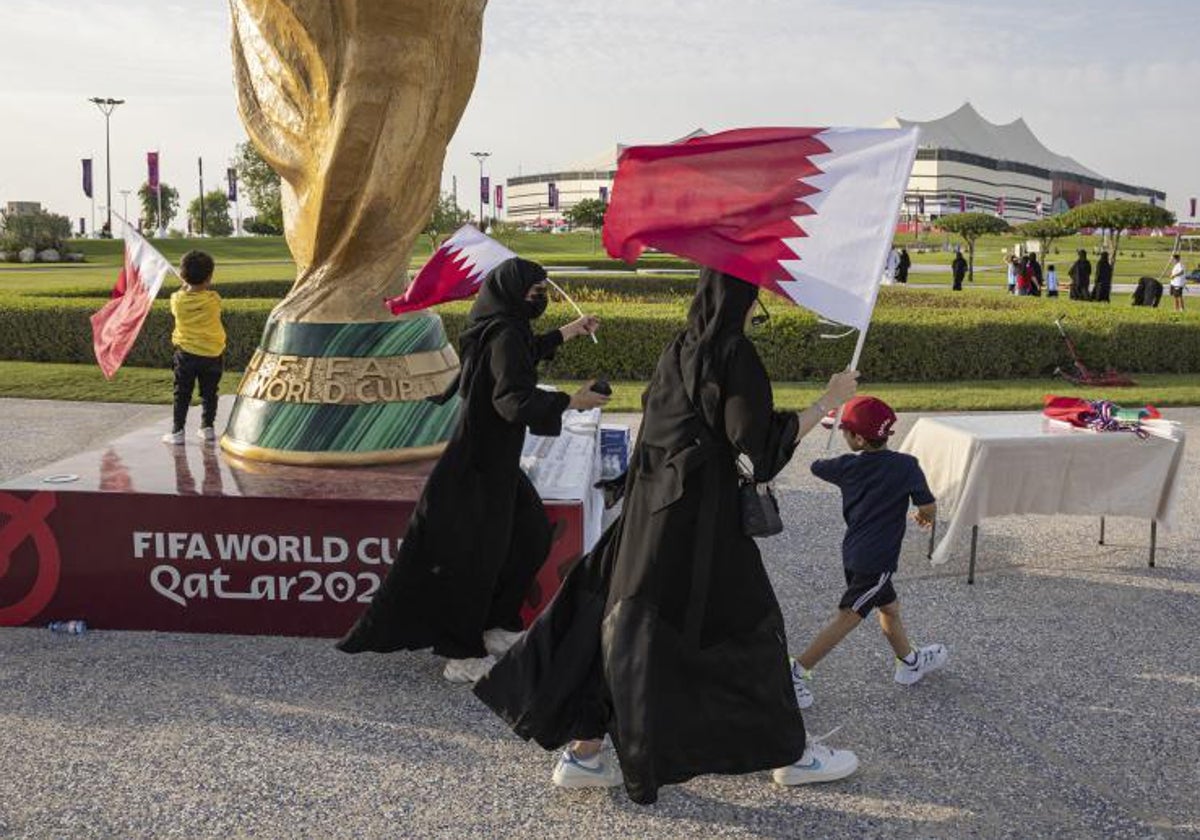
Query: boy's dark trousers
{"x":190,"y":369}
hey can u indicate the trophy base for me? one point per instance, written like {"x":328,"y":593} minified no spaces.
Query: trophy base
{"x":352,"y":394}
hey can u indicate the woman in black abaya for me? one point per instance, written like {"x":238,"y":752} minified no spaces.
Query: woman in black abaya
{"x":479,"y":533}
{"x":668,"y":636}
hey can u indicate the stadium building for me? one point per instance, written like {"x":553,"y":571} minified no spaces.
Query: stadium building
{"x":964,"y":164}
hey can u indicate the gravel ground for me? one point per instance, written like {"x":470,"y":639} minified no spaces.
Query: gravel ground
{"x":1070,"y":707}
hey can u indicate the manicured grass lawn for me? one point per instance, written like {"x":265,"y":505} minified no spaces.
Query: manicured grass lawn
{"x":85,"y":383}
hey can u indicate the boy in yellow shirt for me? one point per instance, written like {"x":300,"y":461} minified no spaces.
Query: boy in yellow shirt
{"x":199,"y":340}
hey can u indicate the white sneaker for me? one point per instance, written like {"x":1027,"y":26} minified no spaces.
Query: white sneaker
{"x":206,"y":433}
{"x":467,"y":670}
{"x":174,"y":438}
{"x":801,"y":677}
{"x":596,"y":772}
{"x":818,"y":764}
{"x":929,"y":659}
{"x":497,"y":641}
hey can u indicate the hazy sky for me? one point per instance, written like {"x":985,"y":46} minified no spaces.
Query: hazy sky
{"x":1105,"y":82}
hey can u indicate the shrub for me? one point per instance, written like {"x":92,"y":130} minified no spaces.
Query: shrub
{"x":916,"y":336}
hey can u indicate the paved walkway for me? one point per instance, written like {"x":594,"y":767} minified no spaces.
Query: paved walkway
{"x":1070,"y":708}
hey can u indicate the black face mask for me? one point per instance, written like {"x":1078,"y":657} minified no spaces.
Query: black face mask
{"x":536,"y":306}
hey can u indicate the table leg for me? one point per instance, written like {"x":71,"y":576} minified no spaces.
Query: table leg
{"x":1101,"y":530}
{"x":974,"y":541}
{"x":1153,"y":540}
{"x":932,"y":539}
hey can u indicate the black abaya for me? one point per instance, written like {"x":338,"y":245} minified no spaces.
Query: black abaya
{"x":1081,"y":279}
{"x":1102,"y":290}
{"x":668,"y":636}
{"x":479,"y":533}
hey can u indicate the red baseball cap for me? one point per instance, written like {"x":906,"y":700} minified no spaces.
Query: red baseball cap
{"x":870,"y":417}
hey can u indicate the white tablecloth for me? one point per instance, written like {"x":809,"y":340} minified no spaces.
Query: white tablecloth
{"x":980,"y":466}
{"x":565,"y":468}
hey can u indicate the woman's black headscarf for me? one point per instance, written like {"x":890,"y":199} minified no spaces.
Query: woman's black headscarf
{"x":501,"y":301}
{"x":716,"y":321}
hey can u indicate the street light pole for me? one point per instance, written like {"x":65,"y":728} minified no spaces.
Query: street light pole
{"x":481,"y":157}
{"x":107,"y":106}
{"x":125,"y":194}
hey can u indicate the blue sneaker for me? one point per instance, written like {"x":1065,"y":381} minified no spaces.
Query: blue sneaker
{"x":598,"y":771}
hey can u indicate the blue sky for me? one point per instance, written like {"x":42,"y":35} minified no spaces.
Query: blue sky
{"x":560,"y":81}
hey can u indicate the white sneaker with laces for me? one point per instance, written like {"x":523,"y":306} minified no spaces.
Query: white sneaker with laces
{"x":206,"y":433}
{"x":818,"y":764}
{"x":929,"y":659}
{"x":174,"y":438}
{"x":497,"y":641}
{"x":801,"y":677}
{"x":599,"y":771}
{"x":467,"y":670}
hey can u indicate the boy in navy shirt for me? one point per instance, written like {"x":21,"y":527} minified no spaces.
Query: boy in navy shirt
{"x":876,"y":485}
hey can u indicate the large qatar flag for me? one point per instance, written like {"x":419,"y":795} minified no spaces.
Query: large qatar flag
{"x":808,"y":213}
{"x":454,"y":272}
{"x":116,"y":326}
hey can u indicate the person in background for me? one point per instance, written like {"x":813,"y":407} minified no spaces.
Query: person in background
{"x":1178,"y":281}
{"x":1024,"y":278}
{"x":199,"y":340}
{"x":1051,"y":281}
{"x":903,"y":265}
{"x":1081,"y":277}
{"x":959,"y":269}
{"x":1102,"y":290}
{"x":1013,"y":270}
{"x":1035,"y":271}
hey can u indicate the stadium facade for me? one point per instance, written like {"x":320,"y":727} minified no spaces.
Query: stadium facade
{"x":964,"y":163}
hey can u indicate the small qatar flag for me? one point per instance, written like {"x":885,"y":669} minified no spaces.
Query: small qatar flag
{"x":116,"y":326}
{"x":808,"y":213}
{"x":454,"y":272}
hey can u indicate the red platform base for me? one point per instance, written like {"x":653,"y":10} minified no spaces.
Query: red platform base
{"x":142,"y":535}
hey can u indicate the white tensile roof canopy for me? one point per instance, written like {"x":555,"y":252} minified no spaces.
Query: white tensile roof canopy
{"x":966,"y":131}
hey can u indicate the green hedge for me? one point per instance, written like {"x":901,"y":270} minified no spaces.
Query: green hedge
{"x":916,"y":336}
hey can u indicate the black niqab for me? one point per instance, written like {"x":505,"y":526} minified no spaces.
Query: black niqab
{"x":501,"y":301}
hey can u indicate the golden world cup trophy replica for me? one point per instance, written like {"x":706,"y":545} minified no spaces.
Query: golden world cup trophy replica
{"x":353,"y":103}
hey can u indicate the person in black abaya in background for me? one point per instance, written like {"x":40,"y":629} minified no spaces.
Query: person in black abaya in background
{"x":1102,"y":290}
{"x":667,"y":636}
{"x":1081,"y":277}
{"x":958,"y":269}
{"x":902,"y":266}
{"x":479,"y":533}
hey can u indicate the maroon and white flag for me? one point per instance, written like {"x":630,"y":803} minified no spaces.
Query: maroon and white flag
{"x":454,"y":272}
{"x":116,"y":326}
{"x":808,"y":213}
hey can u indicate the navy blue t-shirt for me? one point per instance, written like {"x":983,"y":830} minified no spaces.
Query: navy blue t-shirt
{"x":876,"y":489}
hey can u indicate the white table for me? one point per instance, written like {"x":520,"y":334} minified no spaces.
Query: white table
{"x":565,"y":468}
{"x":980,"y":466}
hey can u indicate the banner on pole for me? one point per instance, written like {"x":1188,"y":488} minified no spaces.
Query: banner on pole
{"x":553,"y":197}
{"x":1193,"y":213}
{"x":152,"y":171}
{"x":604,"y":194}
{"x":485,"y":188}
{"x":231,"y":176}
{"x":962,"y":204}
{"x":920,"y":205}
{"x":87,"y":177}
{"x":499,"y":196}
{"x":1000,"y":206}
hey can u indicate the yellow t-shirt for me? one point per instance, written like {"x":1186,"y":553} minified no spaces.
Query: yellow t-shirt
{"x":198,"y":328}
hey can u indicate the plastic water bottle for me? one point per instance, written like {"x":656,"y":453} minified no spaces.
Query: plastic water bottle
{"x":71,"y":628}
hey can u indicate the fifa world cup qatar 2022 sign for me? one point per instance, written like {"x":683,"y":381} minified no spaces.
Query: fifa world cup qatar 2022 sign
{"x":130,"y":561}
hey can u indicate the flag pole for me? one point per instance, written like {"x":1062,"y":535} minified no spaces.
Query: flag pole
{"x":862,"y":333}
{"x":559,"y":289}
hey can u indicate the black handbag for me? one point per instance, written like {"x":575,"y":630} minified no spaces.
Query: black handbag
{"x":760,"y":508}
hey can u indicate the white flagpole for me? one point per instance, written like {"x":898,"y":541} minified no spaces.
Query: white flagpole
{"x":559,"y":289}
{"x":862,"y":334}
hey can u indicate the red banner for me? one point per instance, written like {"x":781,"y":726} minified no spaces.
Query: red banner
{"x":152,"y":170}
{"x":212,"y":564}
